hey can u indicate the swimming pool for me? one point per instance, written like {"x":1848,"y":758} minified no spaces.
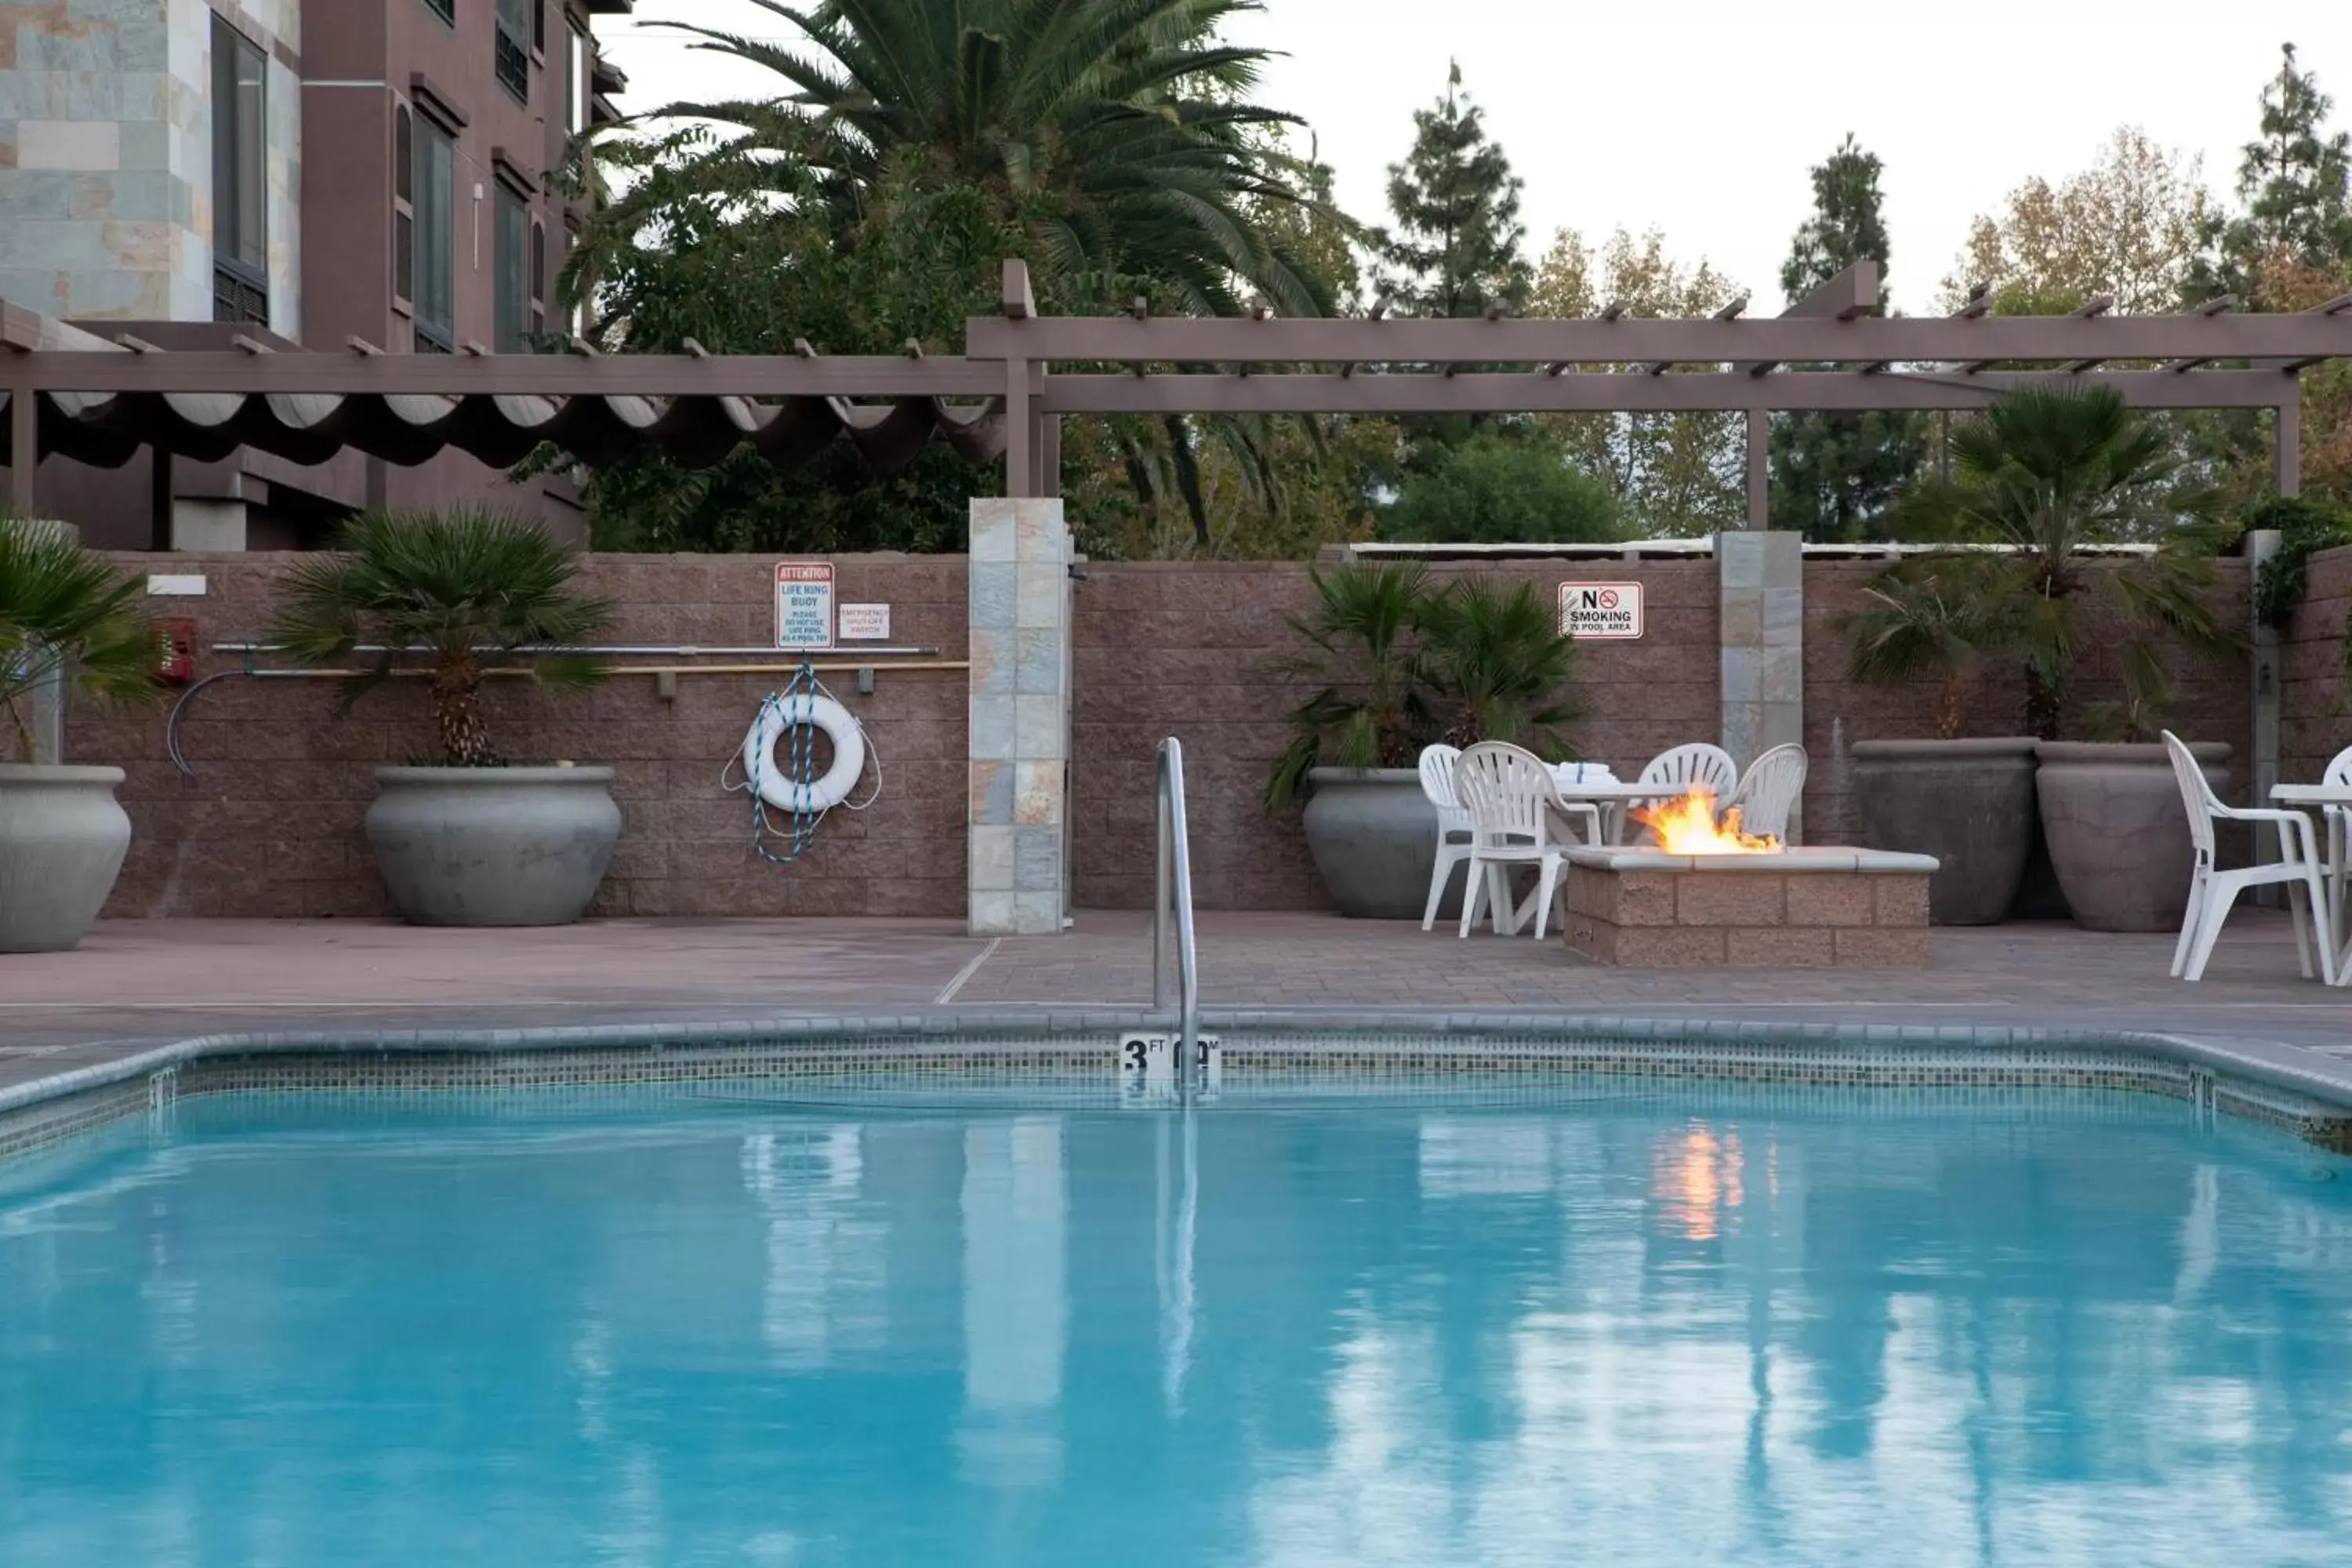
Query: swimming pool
{"x":1633,"y":1323}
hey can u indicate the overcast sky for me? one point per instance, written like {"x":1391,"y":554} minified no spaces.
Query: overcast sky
{"x":1705,"y":125}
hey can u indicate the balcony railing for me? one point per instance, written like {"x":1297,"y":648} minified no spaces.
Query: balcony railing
{"x":512,"y":62}
{"x":236,"y":297}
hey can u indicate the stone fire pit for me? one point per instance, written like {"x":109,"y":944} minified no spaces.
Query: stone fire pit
{"x":1791,"y":909}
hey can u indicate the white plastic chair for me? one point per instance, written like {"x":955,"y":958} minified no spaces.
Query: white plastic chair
{"x":2212,"y":891}
{"x":1695,"y":766}
{"x":1453,"y":825}
{"x":1512,"y":800}
{"x":1768,"y":791}
{"x":2338,"y":866}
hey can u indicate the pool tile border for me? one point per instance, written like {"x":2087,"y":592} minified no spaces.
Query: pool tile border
{"x":2299,"y":1091}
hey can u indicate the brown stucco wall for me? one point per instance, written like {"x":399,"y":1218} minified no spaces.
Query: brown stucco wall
{"x":1182,"y":650}
{"x":2314,"y":715}
{"x":271,"y":825}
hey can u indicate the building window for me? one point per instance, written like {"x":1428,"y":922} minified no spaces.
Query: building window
{"x":435,"y":194}
{"x":444,"y":9}
{"x":576,"y":85}
{"x":513,"y":276}
{"x":539,"y":28}
{"x":538,"y":283}
{"x":240,"y":180}
{"x":510,"y":47}
{"x":404,"y":206}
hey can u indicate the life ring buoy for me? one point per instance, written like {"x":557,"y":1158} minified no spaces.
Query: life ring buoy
{"x":779,"y":716}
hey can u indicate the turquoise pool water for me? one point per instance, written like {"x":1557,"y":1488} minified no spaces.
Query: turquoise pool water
{"x":1625,"y":1327}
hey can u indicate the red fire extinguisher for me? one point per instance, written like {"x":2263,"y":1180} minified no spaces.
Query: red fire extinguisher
{"x":175,"y":651}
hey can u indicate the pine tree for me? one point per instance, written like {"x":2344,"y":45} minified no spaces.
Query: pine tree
{"x":2296,"y":181}
{"x":1456,"y":245}
{"x":1835,"y":475}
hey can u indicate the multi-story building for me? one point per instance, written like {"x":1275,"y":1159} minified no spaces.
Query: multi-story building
{"x":300,"y":172}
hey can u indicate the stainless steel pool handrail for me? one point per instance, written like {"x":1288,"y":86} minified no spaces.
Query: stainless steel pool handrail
{"x":1176,"y":893}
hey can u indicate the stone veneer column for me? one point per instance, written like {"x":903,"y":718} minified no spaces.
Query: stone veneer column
{"x":1760,"y":580}
{"x":1020,"y":630}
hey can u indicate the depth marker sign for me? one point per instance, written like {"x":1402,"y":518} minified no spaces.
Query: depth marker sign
{"x":1601,"y":612}
{"x":803,"y":603}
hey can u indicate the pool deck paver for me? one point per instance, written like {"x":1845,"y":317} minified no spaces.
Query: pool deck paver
{"x":134,"y":984}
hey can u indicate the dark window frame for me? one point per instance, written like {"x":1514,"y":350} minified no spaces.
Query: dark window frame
{"x":404,"y":208}
{"x":510,"y":290}
{"x":444,"y":9}
{"x":432,"y":309}
{"x":240,"y":159}
{"x":510,"y":47}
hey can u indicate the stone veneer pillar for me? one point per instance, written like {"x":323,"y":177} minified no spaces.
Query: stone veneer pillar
{"x":1020,"y":631}
{"x":1760,"y":580}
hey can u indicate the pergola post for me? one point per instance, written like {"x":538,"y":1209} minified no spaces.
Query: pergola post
{"x":2286,"y":442}
{"x":1760,"y":470}
{"x":24,"y":448}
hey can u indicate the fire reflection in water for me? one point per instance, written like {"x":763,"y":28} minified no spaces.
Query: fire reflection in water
{"x":1695,"y":1178}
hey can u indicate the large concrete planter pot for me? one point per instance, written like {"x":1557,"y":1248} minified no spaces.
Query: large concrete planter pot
{"x":493,"y":847}
{"x":1374,"y":838}
{"x":1967,"y":803}
{"x":2118,"y":832}
{"x":62,"y":839}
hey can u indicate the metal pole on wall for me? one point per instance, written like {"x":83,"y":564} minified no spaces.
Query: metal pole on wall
{"x":24,"y":447}
{"x":1760,"y":470}
{"x":2262,"y":544}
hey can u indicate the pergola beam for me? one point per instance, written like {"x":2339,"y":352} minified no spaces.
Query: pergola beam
{"x":762,"y":376}
{"x":1626,"y":392}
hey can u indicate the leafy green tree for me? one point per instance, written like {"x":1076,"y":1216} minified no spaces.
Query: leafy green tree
{"x":1673,"y":475}
{"x":1502,"y":487}
{"x":2129,"y":228}
{"x":1454,"y":245}
{"x":1835,"y":475}
{"x":1499,"y":665}
{"x":1363,"y":643}
{"x":2295,"y":180}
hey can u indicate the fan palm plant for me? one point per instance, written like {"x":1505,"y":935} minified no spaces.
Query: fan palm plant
{"x":1933,"y":619}
{"x":1374,"y":710}
{"x":63,"y":608}
{"x":452,"y":593}
{"x":1499,"y":665}
{"x":2051,"y":472}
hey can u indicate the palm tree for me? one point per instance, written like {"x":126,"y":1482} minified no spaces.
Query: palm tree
{"x":2049,"y":471}
{"x":454,"y":595}
{"x":1116,"y":135}
{"x":62,"y":607}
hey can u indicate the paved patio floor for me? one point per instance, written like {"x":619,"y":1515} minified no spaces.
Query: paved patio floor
{"x":133,"y":984}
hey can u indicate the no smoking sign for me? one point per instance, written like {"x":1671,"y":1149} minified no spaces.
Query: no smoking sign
{"x":1601,"y":612}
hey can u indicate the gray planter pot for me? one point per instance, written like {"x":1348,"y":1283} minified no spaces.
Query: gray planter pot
{"x":493,"y":847}
{"x":1967,"y":803}
{"x":2118,"y":832}
{"x":1374,"y":838}
{"x":62,"y":839}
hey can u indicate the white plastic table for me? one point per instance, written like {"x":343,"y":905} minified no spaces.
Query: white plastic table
{"x":1589,"y":792}
{"x":2339,"y":917}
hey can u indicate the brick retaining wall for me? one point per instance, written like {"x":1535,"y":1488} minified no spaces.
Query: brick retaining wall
{"x":270,"y":826}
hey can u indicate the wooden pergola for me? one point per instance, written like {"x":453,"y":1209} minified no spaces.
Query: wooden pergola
{"x":72,"y":392}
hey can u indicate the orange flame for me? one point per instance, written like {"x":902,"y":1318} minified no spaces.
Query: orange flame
{"x":1685,"y":826}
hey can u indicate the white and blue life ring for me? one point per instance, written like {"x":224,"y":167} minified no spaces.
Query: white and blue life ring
{"x":779,"y":717}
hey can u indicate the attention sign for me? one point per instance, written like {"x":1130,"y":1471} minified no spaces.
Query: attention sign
{"x":1600,"y":611}
{"x":803,"y":603}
